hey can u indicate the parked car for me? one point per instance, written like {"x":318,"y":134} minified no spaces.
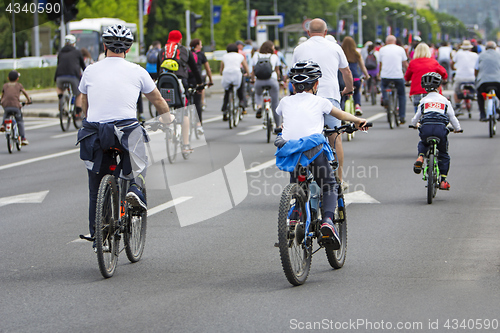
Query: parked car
{"x":50,"y":59}
{"x":32,"y":62}
{"x":8,"y":63}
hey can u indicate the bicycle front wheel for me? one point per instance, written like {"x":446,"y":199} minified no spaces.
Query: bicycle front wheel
{"x":135,"y":234}
{"x":106,"y":231}
{"x":295,"y":255}
{"x":230,"y":108}
{"x":391,"y":115}
{"x":16,"y":136}
{"x":193,"y":119}
{"x":64,"y":118}
{"x":336,"y":258}
{"x":171,"y":142}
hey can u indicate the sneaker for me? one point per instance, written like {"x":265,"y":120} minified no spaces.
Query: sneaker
{"x":417,"y":166}
{"x":358,"y":111}
{"x":135,"y":198}
{"x":402,"y":121}
{"x":344,"y":185}
{"x":244,"y":111}
{"x":200,"y":131}
{"x":186,"y":149}
{"x":2,"y":128}
{"x":258,"y":115}
{"x":444,"y":185}
{"x":24,"y":142}
{"x":141,"y":119}
{"x":329,"y":232}
{"x":224,"y":117}
{"x":483,"y":120}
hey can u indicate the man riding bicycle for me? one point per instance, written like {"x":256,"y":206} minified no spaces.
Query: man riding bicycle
{"x":487,"y":71}
{"x":70,"y":65}
{"x":110,"y":89}
{"x":302,"y":138}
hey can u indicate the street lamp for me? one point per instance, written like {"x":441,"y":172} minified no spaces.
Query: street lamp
{"x":338,"y":17}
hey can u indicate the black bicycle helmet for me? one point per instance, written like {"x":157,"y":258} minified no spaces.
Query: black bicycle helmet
{"x":306,"y":72}
{"x":431,"y":81}
{"x":118,"y":38}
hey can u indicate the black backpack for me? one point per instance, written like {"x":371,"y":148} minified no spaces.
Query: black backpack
{"x":152,"y":55}
{"x":371,"y":61}
{"x":263,"y":68}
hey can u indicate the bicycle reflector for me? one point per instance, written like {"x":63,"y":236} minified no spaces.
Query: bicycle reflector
{"x":112,"y":167}
{"x":301,"y":178}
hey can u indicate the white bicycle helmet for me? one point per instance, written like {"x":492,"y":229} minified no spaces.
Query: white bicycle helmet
{"x":431,"y":81}
{"x":70,"y":39}
{"x":118,"y":38}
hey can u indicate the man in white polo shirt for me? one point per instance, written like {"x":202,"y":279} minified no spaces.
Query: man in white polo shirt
{"x":331,"y":58}
{"x":393,"y":61}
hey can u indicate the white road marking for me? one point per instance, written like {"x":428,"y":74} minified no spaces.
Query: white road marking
{"x":64,"y":135}
{"x":36,"y":197}
{"x":253,"y":128}
{"x":262,"y":166}
{"x":46,"y":124}
{"x":37,"y":159}
{"x":375,"y":117}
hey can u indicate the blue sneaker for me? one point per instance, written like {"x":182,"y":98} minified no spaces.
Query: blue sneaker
{"x":135,"y":198}
{"x":330,"y":234}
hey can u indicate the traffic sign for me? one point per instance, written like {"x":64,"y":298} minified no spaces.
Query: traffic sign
{"x":305,"y":24}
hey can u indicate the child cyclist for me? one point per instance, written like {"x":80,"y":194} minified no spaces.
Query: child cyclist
{"x":434,"y":112}
{"x":302,"y":138}
{"x":10,"y":101}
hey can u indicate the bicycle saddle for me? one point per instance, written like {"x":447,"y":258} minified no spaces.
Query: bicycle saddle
{"x":266,"y":87}
{"x":430,"y":139}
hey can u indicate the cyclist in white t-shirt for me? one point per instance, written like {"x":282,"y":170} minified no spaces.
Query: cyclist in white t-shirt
{"x":230,"y":70}
{"x":393,"y":61}
{"x":331,"y":58}
{"x":463,"y":62}
{"x":110,"y":89}
{"x":302,"y":135}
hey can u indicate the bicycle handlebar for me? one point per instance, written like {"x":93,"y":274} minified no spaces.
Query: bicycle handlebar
{"x":348,"y":128}
{"x":451,"y":129}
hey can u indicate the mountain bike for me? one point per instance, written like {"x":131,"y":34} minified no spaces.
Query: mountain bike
{"x":492,"y":105}
{"x":299,"y":221}
{"x":268,"y":112}
{"x":467,"y":95}
{"x":114,"y":218}
{"x":67,"y":112}
{"x":391,"y":105}
{"x":234,"y":111}
{"x":431,"y":173}
{"x":12,"y":130}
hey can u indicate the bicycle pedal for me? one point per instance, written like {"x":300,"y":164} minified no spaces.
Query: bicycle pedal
{"x":90,"y":239}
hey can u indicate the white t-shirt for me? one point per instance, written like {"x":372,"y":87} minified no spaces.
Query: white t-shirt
{"x":391,"y":56}
{"x":444,"y":53}
{"x":232,"y":62}
{"x":330,"y":57}
{"x":112,"y":86}
{"x":435,"y":102}
{"x":302,"y":115}
{"x":273,"y":59}
{"x":464,"y":64}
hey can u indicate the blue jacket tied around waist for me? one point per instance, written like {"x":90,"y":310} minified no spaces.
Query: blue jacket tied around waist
{"x":303,"y":151}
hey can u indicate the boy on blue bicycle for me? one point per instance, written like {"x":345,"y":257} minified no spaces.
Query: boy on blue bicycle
{"x":302,"y":138}
{"x":434,"y":113}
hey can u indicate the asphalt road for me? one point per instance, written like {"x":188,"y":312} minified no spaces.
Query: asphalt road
{"x":210,"y":265}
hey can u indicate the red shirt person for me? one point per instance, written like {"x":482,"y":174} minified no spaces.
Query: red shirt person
{"x":421,"y":64}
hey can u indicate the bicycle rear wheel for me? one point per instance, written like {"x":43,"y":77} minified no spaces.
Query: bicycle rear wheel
{"x":269,"y":123}
{"x":236,"y":116}
{"x":295,"y":255}
{"x":77,"y":120}
{"x":135,"y":234}
{"x":152,"y":109}
{"x":171,"y":142}
{"x":193,"y":119}
{"x":10,"y":142}
{"x":230,"y":108}
{"x":106,"y":235}
{"x":391,"y":115}
{"x":373,"y":93}
{"x":431,"y":178}
{"x":336,"y":258}
{"x":64,"y":118}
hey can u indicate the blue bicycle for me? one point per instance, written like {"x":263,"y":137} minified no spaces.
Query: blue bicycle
{"x":300,"y":218}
